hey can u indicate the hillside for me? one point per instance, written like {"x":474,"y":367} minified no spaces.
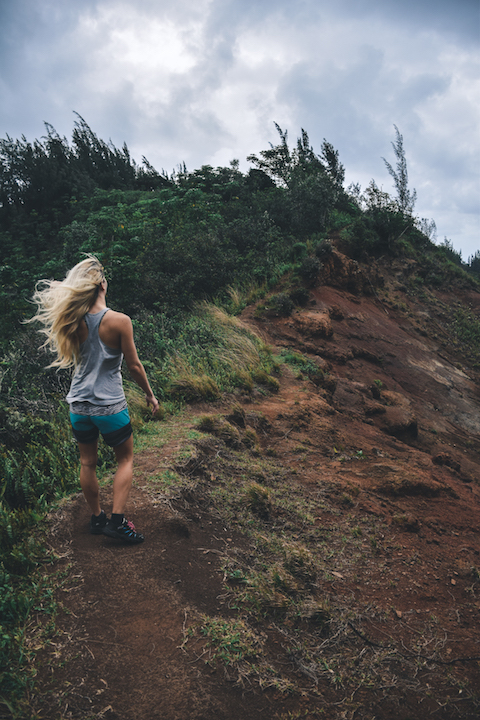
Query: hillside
{"x":313,"y":542}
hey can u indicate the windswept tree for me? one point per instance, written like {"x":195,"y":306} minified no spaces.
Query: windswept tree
{"x":276,"y":162}
{"x":332,"y":164}
{"x":313,"y":182}
{"x":474,"y":262}
{"x":406,"y":198}
{"x":280,"y":163}
{"x":42,"y":177}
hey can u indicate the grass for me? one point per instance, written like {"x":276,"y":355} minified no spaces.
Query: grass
{"x":210,"y":353}
{"x":27,"y":610}
{"x":153,"y":435}
{"x":238,"y":647}
{"x":230,"y":641}
{"x":465,"y":327}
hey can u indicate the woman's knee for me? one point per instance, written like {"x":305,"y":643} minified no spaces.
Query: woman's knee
{"x":124,"y":451}
{"x":88,"y":455}
{"x":88,"y":464}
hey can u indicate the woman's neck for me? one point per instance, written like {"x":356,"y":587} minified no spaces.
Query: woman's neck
{"x":99,"y":304}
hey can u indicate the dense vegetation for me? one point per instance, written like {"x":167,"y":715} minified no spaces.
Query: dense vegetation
{"x":168,"y":243}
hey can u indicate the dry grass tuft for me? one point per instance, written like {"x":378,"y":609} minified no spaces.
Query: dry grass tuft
{"x":300,"y":563}
{"x":237,"y":415}
{"x":263,"y":378}
{"x":209,"y":423}
{"x":242,"y":379}
{"x":250,"y":439}
{"x":221,"y":428}
{"x":191,"y":386}
{"x":138,"y":409}
{"x":258,"y":500}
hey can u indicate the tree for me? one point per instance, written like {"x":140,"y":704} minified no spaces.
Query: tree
{"x":474,"y":262}
{"x":405,"y":198}
{"x":332,"y":163}
{"x":312,"y":182}
{"x":280,"y":163}
{"x":277,"y":162}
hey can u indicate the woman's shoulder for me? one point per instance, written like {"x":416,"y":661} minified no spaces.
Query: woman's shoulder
{"x":115,"y":315}
{"x":116,"y":319}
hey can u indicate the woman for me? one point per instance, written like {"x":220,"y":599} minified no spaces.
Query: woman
{"x":83,"y":332}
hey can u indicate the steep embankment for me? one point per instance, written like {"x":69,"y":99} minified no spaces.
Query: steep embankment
{"x":318,"y":545}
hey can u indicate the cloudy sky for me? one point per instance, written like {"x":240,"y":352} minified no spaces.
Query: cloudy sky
{"x":203,"y":81}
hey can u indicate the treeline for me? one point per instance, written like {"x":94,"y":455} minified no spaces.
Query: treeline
{"x":169,"y":240}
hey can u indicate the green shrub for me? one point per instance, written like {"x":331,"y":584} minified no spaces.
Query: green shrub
{"x":299,"y":296}
{"x":281,"y":304}
{"x":310,"y":269}
{"x":299,"y":250}
{"x":323,"y":249}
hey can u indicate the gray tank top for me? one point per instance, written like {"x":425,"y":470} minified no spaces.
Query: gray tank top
{"x":98,"y":377}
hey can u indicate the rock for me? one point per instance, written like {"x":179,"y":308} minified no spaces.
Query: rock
{"x":314,"y":324}
{"x":444,"y":458}
{"x":374,"y":408}
{"x":347,"y":396}
{"x":375,"y":389}
{"x":336,"y":313}
{"x":337,"y":354}
{"x":398,"y":419}
{"x":400,"y":422}
{"x":359,"y":352}
{"x":341,"y":271}
{"x":409,"y":523}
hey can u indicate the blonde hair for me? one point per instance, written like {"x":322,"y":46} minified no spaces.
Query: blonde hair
{"x":61,"y":307}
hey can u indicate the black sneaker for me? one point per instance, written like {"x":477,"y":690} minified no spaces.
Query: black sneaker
{"x":97,"y":523}
{"x":125,"y":531}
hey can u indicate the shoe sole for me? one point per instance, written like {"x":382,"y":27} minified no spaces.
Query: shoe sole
{"x":117,"y":536}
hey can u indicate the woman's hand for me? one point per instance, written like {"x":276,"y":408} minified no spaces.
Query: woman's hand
{"x":152,"y":400}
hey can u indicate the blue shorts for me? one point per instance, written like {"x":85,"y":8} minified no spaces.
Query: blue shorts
{"x":115,"y":429}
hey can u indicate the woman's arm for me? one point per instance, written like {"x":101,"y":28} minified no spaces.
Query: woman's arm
{"x":135,"y":367}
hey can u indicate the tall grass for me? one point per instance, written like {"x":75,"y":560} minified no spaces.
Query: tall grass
{"x":198,"y":356}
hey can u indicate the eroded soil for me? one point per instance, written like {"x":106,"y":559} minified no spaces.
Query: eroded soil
{"x":384,"y":446}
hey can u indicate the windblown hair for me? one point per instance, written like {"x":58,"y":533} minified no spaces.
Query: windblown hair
{"x":61,"y":307}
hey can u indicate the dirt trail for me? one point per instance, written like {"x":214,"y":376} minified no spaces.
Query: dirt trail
{"x":128,"y":608}
{"x":394,"y":437}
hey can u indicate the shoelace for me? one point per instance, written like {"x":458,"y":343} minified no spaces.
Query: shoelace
{"x":130,"y":525}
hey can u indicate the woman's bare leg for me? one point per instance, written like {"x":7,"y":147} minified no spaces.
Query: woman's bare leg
{"x":122,"y":481}
{"x":88,"y":475}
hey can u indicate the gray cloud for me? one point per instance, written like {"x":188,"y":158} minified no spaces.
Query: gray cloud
{"x":202,"y":81}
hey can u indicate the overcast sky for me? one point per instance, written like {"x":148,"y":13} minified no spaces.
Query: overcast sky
{"x":203,"y":81}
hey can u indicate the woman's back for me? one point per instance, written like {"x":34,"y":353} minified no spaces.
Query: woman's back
{"x":98,"y":378}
